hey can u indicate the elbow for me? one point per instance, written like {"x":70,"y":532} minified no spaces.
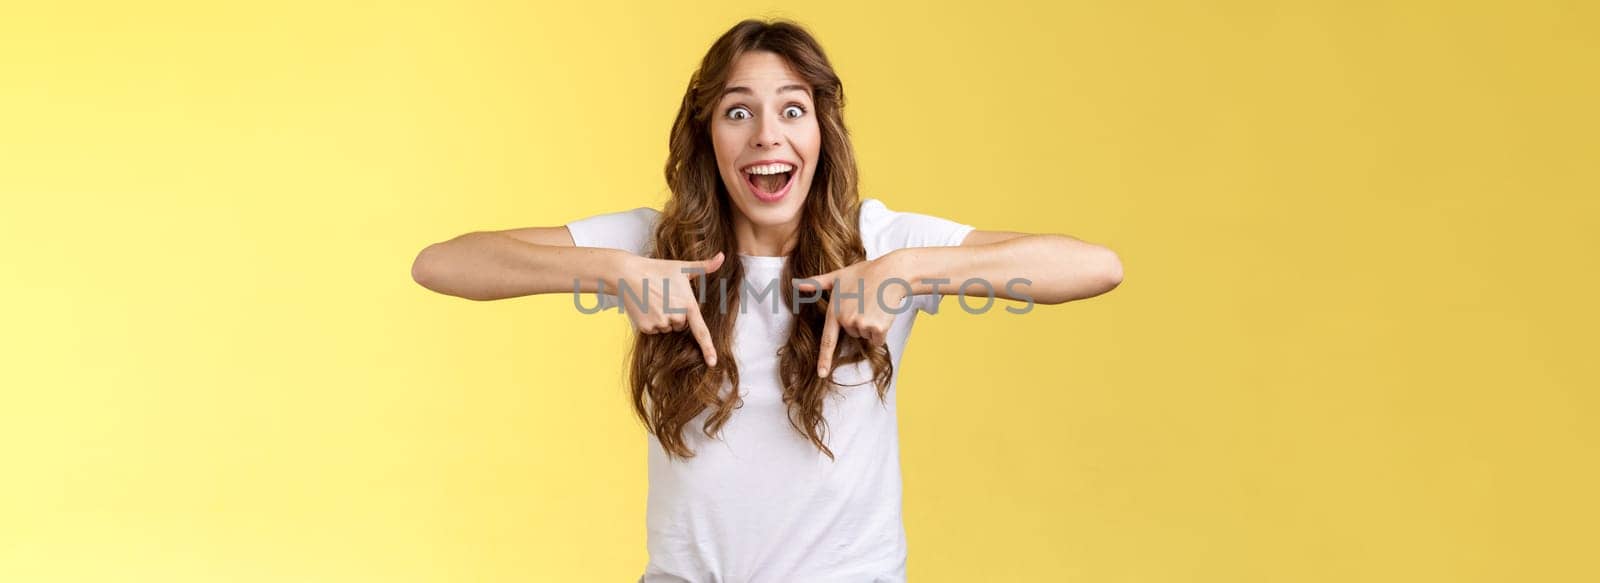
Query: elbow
{"x":419,"y":268}
{"x":1111,"y":270}
{"x":1098,"y":273}
{"x":425,"y":268}
{"x":1092,"y":270}
{"x":431,"y":271}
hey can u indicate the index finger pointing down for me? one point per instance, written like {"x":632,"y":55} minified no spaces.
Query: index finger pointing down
{"x":702,"y":335}
{"x":830,"y":339}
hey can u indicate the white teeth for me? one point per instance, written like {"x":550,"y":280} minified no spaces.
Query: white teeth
{"x":769,"y":168}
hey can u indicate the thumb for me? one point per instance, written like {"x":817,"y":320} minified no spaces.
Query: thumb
{"x":822,"y":282}
{"x":714,"y":263}
{"x":710,"y":265}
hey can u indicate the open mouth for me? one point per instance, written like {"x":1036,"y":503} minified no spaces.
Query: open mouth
{"x":770,"y":182}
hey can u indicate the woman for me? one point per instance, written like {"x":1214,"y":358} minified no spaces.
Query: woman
{"x":794,"y":476}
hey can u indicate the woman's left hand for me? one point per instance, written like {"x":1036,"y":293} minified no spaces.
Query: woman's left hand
{"x":865,"y":300}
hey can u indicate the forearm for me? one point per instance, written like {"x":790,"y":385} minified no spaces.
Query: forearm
{"x":491,"y":266}
{"x":1057,"y":269}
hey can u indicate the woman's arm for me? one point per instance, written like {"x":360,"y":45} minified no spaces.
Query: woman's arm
{"x":1059,"y":268}
{"x":492,"y":265}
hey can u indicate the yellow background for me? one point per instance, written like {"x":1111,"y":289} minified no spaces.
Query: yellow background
{"x":1355,"y":341}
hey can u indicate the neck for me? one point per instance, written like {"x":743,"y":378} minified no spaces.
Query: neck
{"x":764,"y":240}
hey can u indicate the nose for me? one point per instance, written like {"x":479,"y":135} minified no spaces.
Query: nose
{"x":767,"y":136}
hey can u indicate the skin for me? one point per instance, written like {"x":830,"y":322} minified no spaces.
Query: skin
{"x":489,"y":265}
{"x":765,"y":114}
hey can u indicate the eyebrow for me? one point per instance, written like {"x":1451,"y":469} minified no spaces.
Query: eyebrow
{"x":746,"y":90}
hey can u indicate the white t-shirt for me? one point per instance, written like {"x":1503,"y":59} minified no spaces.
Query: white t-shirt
{"x":760,"y":503}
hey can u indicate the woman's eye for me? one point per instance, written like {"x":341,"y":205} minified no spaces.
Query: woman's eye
{"x":793,"y":111}
{"x":738,"y":113}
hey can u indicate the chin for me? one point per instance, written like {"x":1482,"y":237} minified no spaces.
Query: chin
{"x":773,"y":217}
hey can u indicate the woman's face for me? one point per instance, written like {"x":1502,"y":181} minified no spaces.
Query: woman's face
{"x":765,"y":133}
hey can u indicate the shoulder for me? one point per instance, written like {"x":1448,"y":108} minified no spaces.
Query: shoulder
{"x":885,"y":229}
{"x":629,"y":230}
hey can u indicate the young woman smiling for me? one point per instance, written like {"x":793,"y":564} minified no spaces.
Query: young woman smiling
{"x":768,"y":460}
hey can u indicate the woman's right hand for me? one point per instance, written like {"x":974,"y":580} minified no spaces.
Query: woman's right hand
{"x":672,"y":307}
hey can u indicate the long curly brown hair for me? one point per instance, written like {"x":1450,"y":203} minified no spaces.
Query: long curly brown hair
{"x":670,"y":381}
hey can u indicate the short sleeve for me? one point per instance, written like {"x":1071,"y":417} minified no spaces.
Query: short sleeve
{"x":629,"y":231}
{"x":884,"y":230}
